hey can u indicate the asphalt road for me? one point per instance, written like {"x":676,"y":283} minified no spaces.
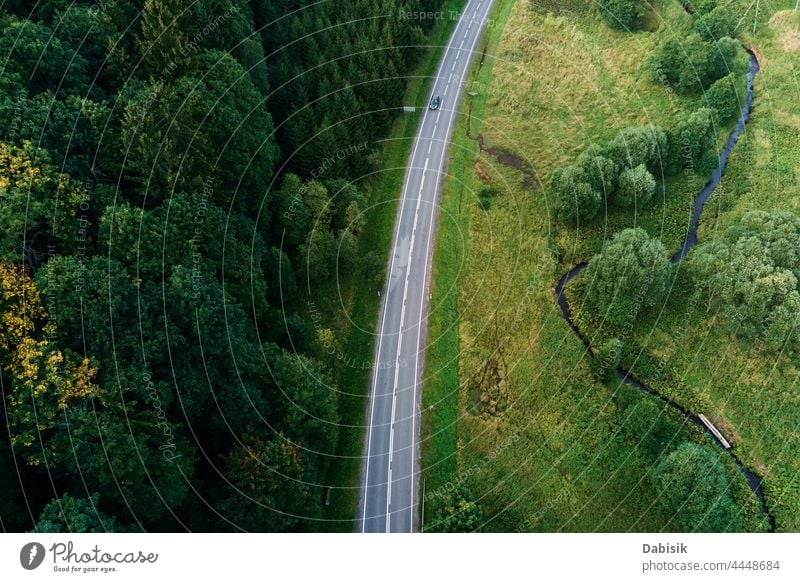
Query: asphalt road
{"x":390,"y":476}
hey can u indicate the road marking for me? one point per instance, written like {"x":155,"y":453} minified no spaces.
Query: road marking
{"x":389,"y":495}
{"x":400,"y":348}
{"x":380,"y":335}
{"x":374,"y":391}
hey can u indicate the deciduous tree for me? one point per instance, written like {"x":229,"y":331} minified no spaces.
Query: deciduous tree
{"x":576,"y":202}
{"x":636,"y":188}
{"x":631,"y":273}
{"x":694,"y":487}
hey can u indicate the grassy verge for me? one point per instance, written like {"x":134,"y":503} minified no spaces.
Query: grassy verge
{"x":440,"y":397}
{"x":564,"y":451}
{"x":355,"y":326}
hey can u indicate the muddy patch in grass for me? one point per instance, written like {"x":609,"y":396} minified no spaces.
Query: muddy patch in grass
{"x":511,"y":160}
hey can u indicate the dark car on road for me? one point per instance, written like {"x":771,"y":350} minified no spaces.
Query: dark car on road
{"x":435,"y":103}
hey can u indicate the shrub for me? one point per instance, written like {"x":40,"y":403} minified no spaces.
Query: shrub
{"x":623,"y":14}
{"x":629,"y":274}
{"x":486,"y":196}
{"x":456,"y":511}
{"x":636,"y":187}
{"x":723,"y":99}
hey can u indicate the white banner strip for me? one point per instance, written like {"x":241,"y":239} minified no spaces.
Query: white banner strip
{"x":353,"y":557}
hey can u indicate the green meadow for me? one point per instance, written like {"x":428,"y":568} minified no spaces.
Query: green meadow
{"x":511,"y":408}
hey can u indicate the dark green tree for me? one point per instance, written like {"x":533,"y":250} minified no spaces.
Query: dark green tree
{"x":600,"y":172}
{"x":305,"y":400}
{"x":39,"y":205}
{"x":164,"y":44}
{"x":723,"y":99}
{"x":70,"y":514}
{"x":623,"y":14}
{"x":269,"y":492}
{"x":693,"y":142}
{"x":456,"y":511}
{"x":749,"y":277}
{"x":692,"y":64}
{"x":31,"y":50}
{"x":292,"y":215}
{"x":210,"y":129}
{"x":634,"y":146}
{"x":90,"y":33}
{"x":718,"y":23}
{"x":694,"y":488}
{"x":576,"y":202}
{"x":687,"y":64}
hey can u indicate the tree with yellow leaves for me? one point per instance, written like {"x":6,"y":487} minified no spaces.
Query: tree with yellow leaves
{"x":45,"y":381}
{"x":38,"y":205}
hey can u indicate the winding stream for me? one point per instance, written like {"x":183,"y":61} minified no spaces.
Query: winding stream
{"x":753,"y":480}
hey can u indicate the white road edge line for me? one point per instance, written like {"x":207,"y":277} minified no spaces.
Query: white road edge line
{"x":400,"y":347}
{"x":373,"y":390}
{"x":425,"y":273}
{"x":380,"y":343}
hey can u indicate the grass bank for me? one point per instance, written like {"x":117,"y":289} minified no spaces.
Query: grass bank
{"x":438,"y":431}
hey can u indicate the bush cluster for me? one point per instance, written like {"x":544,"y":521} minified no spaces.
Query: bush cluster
{"x":626,"y":171}
{"x":623,"y":14}
{"x":750,"y":277}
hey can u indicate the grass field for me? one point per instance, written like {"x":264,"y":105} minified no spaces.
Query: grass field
{"x":564,"y":452}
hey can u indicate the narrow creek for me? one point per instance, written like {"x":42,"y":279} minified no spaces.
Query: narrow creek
{"x":753,"y":480}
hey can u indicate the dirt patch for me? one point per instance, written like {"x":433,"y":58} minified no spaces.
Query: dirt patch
{"x":791,"y":41}
{"x":481,"y":173}
{"x":511,"y":160}
{"x":787,"y":24}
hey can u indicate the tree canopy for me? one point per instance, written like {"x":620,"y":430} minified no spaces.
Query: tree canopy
{"x":630,"y":273}
{"x":749,"y":276}
{"x":623,"y":14}
{"x":171,"y":174}
{"x":694,"y":487}
{"x":456,"y":511}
